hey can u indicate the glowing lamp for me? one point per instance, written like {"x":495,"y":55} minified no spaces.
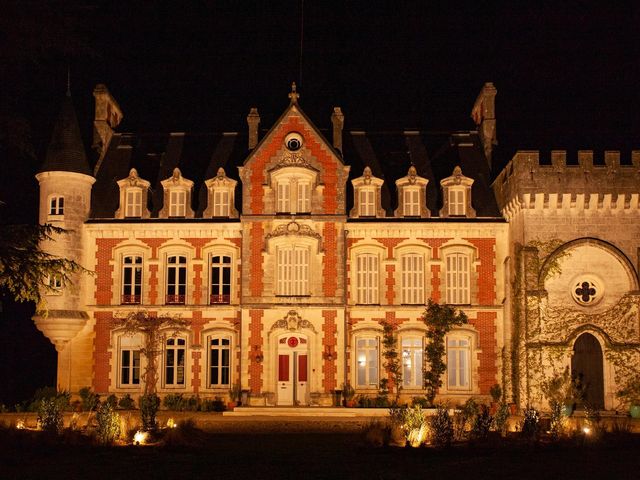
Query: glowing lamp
{"x":140,"y":438}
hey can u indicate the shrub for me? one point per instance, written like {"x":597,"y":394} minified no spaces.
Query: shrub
{"x":482,"y":423}
{"x":215,"y":405}
{"x":464,"y":418}
{"x":88,"y":399}
{"x":422,"y":402}
{"x":501,"y":417}
{"x":126,"y":402}
{"x":50,"y":416}
{"x":108,"y":424}
{"x":531,"y":423}
{"x":412,"y":423}
{"x":496,"y":392}
{"x":441,"y":427}
{"x":186,"y":434}
{"x":375,"y":434}
{"x":174,"y":402}
{"x":112,"y":400}
{"x":149,"y":405}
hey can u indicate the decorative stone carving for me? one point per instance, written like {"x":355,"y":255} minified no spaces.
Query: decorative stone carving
{"x":294,"y":228}
{"x":293,"y":322}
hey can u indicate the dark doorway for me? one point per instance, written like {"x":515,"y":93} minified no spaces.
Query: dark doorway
{"x":586,"y":364}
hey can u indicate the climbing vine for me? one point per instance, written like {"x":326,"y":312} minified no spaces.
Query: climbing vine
{"x":439,"y":319}
{"x":392,"y":362}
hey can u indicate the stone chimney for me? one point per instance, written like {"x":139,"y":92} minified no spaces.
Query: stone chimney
{"x":253,"y":120}
{"x":337,"y":119}
{"x":107,"y":117}
{"x":484,"y":116}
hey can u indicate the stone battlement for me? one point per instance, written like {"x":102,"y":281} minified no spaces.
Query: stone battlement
{"x":526,"y":183}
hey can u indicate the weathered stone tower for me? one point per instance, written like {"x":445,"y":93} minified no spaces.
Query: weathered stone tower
{"x":573,"y":271}
{"x":65,"y":197}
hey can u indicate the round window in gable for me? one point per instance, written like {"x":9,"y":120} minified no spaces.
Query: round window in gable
{"x":587,"y":290}
{"x":293,"y":141}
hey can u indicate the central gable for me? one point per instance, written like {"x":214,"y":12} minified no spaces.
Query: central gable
{"x":293,"y":170}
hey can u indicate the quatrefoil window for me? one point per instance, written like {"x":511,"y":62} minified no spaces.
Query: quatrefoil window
{"x":586,"y":291}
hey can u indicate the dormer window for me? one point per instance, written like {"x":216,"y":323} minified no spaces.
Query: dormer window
{"x":293,"y":189}
{"x":56,"y":205}
{"x":456,"y":195}
{"x":133,"y":196}
{"x":221,"y":196}
{"x":412,"y":195}
{"x":177,"y":196}
{"x":366,"y":191}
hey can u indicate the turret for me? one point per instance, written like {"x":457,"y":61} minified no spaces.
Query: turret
{"x":65,"y":195}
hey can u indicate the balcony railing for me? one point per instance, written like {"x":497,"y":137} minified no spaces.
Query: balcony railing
{"x":215,"y":299}
{"x":174,"y":300}
{"x":130,"y":300}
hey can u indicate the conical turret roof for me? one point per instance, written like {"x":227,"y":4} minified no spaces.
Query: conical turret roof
{"x":66,"y":150}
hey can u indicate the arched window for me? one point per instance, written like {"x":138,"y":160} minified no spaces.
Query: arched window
{"x":219,"y":362}
{"x":412,"y":279}
{"x":129,"y":361}
{"x":412,"y":362}
{"x":457,"y":278}
{"x":367,"y":279}
{"x":176,"y":280}
{"x":367,"y":357}
{"x":220,"y":279}
{"x":131,"y":280}
{"x":458,"y":362}
{"x":174,"y":365}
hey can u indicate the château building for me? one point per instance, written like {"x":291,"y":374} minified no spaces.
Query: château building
{"x":288,"y":252}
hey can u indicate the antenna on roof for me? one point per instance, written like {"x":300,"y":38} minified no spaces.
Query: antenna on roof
{"x":301,"y":40}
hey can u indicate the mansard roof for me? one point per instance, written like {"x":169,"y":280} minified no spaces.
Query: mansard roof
{"x":389,"y":154}
{"x":66,"y":151}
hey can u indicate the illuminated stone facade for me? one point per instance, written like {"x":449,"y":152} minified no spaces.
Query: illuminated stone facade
{"x":288,"y":252}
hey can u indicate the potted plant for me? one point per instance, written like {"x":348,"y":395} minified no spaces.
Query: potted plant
{"x":348,"y":394}
{"x":496,"y":393}
{"x":234,"y":394}
{"x":630,"y":394}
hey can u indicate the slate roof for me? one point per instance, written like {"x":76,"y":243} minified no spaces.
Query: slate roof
{"x":66,"y":151}
{"x":388,"y":153}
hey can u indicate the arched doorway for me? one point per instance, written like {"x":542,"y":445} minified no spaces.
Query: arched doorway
{"x":586,"y":364}
{"x":293,"y":354}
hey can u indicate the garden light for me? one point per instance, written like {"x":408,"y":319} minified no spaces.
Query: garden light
{"x":140,"y":438}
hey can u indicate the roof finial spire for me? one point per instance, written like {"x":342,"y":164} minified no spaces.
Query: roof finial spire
{"x":294,"y":95}
{"x":68,"y":81}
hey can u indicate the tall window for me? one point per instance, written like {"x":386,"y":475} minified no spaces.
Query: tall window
{"x":129,"y":366}
{"x":293,"y":271}
{"x":367,"y":202}
{"x":131,"y":279}
{"x":412,"y":279}
{"x":457,"y":287}
{"x":304,"y":197}
{"x":367,"y":357}
{"x":176,"y":279}
{"x":56,"y":205}
{"x":412,"y":362}
{"x":177,"y":203}
{"x":219,"y":362}
{"x":456,"y":201}
{"x":220,"y":202}
{"x":220,"y":279}
{"x":367,"y":279}
{"x":283,"y":202}
{"x":133,"y":202}
{"x":175,"y":351}
{"x":411,"y":200}
{"x":458,"y":363}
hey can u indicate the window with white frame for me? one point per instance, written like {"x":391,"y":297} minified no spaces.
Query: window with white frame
{"x":367,"y":357}
{"x":412,"y":363}
{"x":457,"y":275}
{"x":177,"y":203}
{"x":411,"y":201}
{"x":175,"y":353}
{"x":221,"y":202}
{"x":56,"y":205}
{"x":458,"y":362}
{"x":367,"y":266}
{"x":55,"y":285}
{"x":219,"y":362}
{"x":456,"y":201}
{"x":412,"y":279}
{"x":293,"y":270}
{"x":129,"y":361}
{"x":133,"y":202}
{"x":176,"y":279}
{"x":131,"y":280}
{"x":367,"y":202}
{"x":220,"y":279}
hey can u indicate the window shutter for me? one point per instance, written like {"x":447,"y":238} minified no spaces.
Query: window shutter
{"x":304,"y":198}
{"x":283,"y":197}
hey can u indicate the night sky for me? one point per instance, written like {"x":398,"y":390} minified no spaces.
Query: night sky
{"x":567,"y":75}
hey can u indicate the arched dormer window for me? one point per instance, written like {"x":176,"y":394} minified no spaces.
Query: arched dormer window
{"x":456,"y":195}
{"x":221,"y":196}
{"x":177,"y":196}
{"x":412,"y":195}
{"x":293,"y":188}
{"x":367,"y":199}
{"x":133,"y":196}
